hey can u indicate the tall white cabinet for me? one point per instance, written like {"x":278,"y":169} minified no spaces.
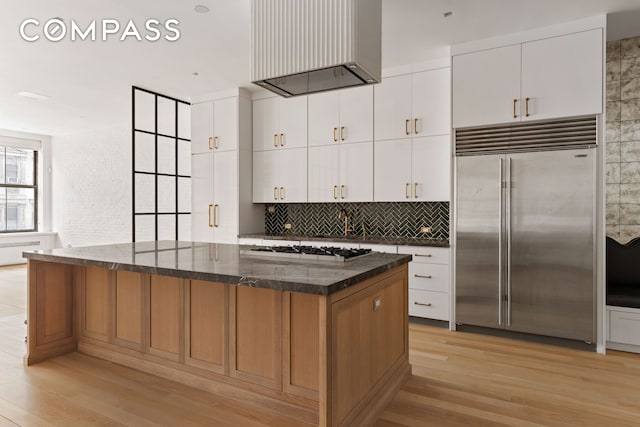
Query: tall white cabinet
{"x":412,"y":150}
{"x":221,"y":169}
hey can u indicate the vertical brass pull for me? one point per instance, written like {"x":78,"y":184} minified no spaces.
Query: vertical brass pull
{"x":209,"y":142}
{"x":281,"y":193}
{"x":275,"y":139}
{"x":415,"y":190}
{"x":282,"y":140}
{"x":406,"y":190}
{"x":215,"y":142}
{"x":515,"y":102}
{"x":342,"y":133}
{"x":415,"y":126}
{"x":342,"y":191}
{"x":335,"y":196}
{"x":526,"y":105}
{"x":406,"y":126}
{"x":275,"y":193}
{"x":335,"y":137}
{"x":215,"y":216}
{"x":209,"y":215}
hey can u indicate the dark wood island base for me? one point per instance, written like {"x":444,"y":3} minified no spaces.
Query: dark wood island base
{"x":328,"y":360}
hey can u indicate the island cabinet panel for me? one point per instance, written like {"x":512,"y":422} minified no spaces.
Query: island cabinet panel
{"x":256,"y":335}
{"x":96,"y":293}
{"x":129,"y":309}
{"x":206,"y":338}
{"x":166,"y":317}
{"x":301,"y":329}
{"x":366,"y":345}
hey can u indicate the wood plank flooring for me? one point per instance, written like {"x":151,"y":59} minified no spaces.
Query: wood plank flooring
{"x":459,"y":379}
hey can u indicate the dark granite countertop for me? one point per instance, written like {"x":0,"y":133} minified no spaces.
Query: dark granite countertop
{"x":401,"y":241}
{"x":227,"y":264}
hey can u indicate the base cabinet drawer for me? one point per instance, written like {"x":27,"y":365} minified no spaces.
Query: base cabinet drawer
{"x":426,"y":254}
{"x":429,"y":277}
{"x":624,"y":327}
{"x":429,"y":304}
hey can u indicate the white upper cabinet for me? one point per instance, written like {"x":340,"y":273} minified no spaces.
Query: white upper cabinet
{"x":280,"y":176}
{"x":549,"y":78}
{"x":341,"y":116}
{"x":392,"y":179}
{"x":431,"y":168}
{"x":279,"y":123}
{"x":214,"y":125}
{"x":413,"y":105}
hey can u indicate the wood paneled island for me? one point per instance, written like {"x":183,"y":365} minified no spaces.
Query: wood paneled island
{"x":325,"y":343}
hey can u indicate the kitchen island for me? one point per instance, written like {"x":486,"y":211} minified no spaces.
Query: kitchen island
{"x":323,"y":342}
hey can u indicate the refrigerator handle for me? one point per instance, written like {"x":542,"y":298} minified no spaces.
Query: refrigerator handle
{"x":508,"y":215}
{"x":500,"y":255}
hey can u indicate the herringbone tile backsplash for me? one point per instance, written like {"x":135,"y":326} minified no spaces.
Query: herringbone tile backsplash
{"x":380,"y":219}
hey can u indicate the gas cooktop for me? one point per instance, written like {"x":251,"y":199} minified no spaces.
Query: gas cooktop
{"x":310,"y":252}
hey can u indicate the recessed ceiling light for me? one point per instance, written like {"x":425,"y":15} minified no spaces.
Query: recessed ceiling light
{"x":32,"y":95}
{"x":200,"y":8}
{"x":447,"y":14}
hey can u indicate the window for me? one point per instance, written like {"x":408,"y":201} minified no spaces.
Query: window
{"x":18,"y":189}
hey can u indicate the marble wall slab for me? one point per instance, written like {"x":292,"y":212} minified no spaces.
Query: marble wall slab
{"x":622,"y":135}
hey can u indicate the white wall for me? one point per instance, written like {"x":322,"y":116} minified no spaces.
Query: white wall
{"x":91,"y":186}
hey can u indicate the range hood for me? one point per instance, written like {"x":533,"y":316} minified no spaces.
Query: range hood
{"x":307,"y":46}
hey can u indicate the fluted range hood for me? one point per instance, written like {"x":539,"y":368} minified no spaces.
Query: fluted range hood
{"x":306,"y":46}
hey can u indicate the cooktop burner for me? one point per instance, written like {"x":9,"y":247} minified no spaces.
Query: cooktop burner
{"x":311,"y":252}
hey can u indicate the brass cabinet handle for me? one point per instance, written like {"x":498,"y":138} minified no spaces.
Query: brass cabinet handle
{"x":342,"y":191}
{"x":415,"y":190}
{"x":406,"y":190}
{"x":415,"y":126}
{"x":342,"y":133}
{"x":335,"y":196}
{"x":209,"y":215}
{"x":335,"y":137}
{"x":515,"y":102}
{"x":215,"y":142}
{"x":422,"y":303}
{"x":275,"y":193}
{"x":526,"y":105}
{"x":275,"y":139}
{"x":420,"y":276}
{"x":282,"y":140}
{"x":215,"y":216}
{"x":209,"y":142}
{"x":406,"y":126}
{"x":281,"y":193}
{"x":425,"y":256}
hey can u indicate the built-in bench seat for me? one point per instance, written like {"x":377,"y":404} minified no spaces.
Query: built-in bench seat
{"x":623,"y":273}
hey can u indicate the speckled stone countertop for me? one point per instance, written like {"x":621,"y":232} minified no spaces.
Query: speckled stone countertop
{"x":401,"y":241}
{"x":226,"y":264}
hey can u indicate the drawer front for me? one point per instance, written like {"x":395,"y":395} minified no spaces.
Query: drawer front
{"x":274,"y":242}
{"x":429,"y":277}
{"x":426,"y":254}
{"x":380,"y":248}
{"x":249,"y":241}
{"x":624,"y":327}
{"x":429,"y":304}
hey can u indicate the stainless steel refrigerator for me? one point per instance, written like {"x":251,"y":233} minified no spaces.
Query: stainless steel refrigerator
{"x":525,"y":230}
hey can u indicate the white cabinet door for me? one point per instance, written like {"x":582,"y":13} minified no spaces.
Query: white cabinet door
{"x":225,"y":124}
{"x":266,"y":118}
{"x":432,"y":102}
{"x":225,"y":191}
{"x":431,"y":168}
{"x":356,"y":114}
{"x":324,"y":120}
{"x":485,"y":85}
{"x":392,"y":108}
{"x":392,"y":170}
{"x":202,"y":197}
{"x":324,"y":173}
{"x":293,"y":122}
{"x":562,"y":76}
{"x":293,"y":175}
{"x":201,"y":127}
{"x":356,"y":172}
{"x":265,"y":176}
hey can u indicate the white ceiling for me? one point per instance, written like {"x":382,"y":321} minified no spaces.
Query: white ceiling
{"x":90,"y":82}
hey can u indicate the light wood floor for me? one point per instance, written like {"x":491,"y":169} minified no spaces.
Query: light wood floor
{"x":459,"y":379}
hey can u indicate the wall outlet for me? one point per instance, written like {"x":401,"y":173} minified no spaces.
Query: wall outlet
{"x":377,"y":303}
{"x":271,"y":209}
{"x":288,"y":226}
{"x":426,"y":230}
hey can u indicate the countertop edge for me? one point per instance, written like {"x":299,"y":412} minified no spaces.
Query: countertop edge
{"x":338,"y":239}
